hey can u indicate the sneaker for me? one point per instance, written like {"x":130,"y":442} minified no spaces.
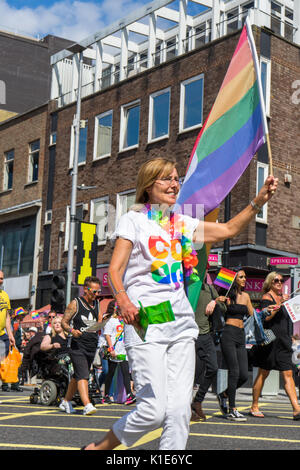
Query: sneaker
{"x":67,"y":407}
{"x":106,"y":400}
{"x":16,"y":388}
{"x":129,"y":399}
{"x":222,"y":403}
{"x":235,"y":415}
{"x":5,"y":388}
{"x":89,"y":409}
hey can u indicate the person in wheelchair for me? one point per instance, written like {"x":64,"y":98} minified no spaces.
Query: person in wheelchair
{"x":56,"y":343}
{"x":56,"y":340}
{"x":54,"y":365}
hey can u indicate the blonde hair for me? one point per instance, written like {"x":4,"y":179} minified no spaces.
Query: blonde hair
{"x":53,"y":332}
{"x":149,"y":173}
{"x":268,"y":281}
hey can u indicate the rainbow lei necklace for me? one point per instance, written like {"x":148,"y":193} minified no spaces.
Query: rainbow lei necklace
{"x":176,"y":229}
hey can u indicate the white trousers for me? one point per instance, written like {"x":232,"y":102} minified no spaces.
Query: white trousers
{"x":163,"y":375}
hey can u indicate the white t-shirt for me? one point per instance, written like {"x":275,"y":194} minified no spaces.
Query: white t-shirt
{"x":154,"y":275}
{"x":114,"y":328}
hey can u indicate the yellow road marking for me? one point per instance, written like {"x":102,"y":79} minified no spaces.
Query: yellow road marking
{"x":59,"y":428}
{"x":40,"y":447}
{"x":21,"y":415}
{"x":271,"y":439}
{"x":258,"y":424}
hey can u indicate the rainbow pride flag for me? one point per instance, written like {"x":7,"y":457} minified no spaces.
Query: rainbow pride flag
{"x":225,"y":278}
{"x":19,"y":311}
{"x":35,"y":314}
{"x":232,"y":133}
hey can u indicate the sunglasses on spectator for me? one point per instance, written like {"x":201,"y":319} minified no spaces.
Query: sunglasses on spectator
{"x":94,"y":291}
{"x":276,"y":281}
{"x":51,"y":316}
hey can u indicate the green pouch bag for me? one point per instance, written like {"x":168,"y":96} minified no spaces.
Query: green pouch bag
{"x":153,"y":315}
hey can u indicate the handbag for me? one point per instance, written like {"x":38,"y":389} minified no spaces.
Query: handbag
{"x":10,"y":365}
{"x":255,"y":333}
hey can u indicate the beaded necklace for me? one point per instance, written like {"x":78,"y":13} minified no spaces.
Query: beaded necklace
{"x":177,"y":230}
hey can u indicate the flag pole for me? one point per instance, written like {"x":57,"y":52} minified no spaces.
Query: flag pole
{"x":260,"y":90}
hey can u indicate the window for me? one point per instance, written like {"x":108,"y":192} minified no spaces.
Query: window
{"x":103,"y":135}
{"x":200,"y":33}
{"x":191,"y":103}
{"x":124,"y":201}
{"x":53,"y":128}
{"x":79,"y":217}
{"x":170,"y":48}
{"x":265,"y":72}
{"x":159,"y":115}
{"x":232,"y":20}
{"x":34,"y":153}
{"x":17,"y":241}
{"x":106,"y":77}
{"x":130,"y":123}
{"x":275,"y":17}
{"x":8,"y":169}
{"x":262,"y":173}
{"x":83,"y":130}
{"x":99,"y":216}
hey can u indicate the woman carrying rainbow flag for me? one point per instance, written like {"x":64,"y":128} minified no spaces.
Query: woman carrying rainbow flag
{"x":146,"y":275}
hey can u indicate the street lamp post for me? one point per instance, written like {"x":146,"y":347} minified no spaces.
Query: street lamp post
{"x":74,"y":49}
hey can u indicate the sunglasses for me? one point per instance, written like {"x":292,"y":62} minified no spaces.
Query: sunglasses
{"x":94,"y":291}
{"x":52,"y":316}
{"x":277,"y":281}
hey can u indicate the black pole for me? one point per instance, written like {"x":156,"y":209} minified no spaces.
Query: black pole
{"x":226,"y":246}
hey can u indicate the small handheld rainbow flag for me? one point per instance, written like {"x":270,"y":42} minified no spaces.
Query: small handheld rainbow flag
{"x":19,"y":311}
{"x":225,"y":278}
{"x":35,"y":314}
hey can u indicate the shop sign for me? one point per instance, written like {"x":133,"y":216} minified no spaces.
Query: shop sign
{"x":284,"y":261}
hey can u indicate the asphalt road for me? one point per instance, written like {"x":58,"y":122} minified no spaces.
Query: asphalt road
{"x":25,"y":426}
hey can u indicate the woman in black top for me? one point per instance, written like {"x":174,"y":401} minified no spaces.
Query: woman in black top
{"x":233,"y":345}
{"x":57,"y":339}
{"x":278,"y":354}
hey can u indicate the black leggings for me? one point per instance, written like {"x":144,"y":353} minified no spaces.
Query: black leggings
{"x":235,"y":355}
{"x":111,"y":371}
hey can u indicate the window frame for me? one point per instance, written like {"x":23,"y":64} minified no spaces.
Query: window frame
{"x":102,"y":115}
{"x":263,"y":219}
{"x":72,"y":144}
{"x":182,"y":103}
{"x":106,"y":233}
{"x":151,"y":115}
{"x":119,"y":212}
{"x":267,"y":61}
{"x":31,"y":153}
{"x":67,"y":226}
{"x":124,"y":108}
{"x":5,"y":173}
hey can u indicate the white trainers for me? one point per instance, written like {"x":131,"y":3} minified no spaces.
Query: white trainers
{"x":67,"y":407}
{"x":89,"y":409}
{"x":235,"y":415}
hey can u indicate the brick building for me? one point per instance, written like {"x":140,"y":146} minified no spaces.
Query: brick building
{"x":22,"y":145}
{"x":138,"y":103}
{"x":25,"y":79}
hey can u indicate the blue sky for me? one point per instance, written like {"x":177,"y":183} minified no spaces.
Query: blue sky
{"x":71,"y":19}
